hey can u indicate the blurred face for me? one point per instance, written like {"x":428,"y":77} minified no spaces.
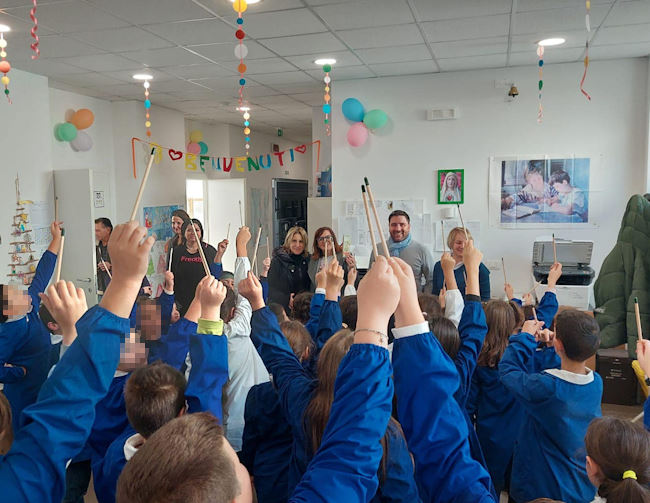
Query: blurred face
{"x":246,"y":494}
{"x":133,"y":353}
{"x":175,"y":314}
{"x":297,"y":245}
{"x":177,"y":223}
{"x":230,"y":283}
{"x":189,"y":234}
{"x":536,"y":181}
{"x":102,"y":233}
{"x":399,"y":228}
{"x":451,"y":181}
{"x":148,"y":318}
{"x":326,"y":240}
{"x":15,"y":301}
{"x":458,"y":246}
{"x":562,"y":187}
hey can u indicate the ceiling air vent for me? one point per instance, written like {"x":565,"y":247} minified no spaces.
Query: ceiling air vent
{"x":441,"y":114}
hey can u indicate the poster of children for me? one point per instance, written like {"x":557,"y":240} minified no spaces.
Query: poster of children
{"x":451,"y":186}
{"x":158,"y":221}
{"x":541,"y":191}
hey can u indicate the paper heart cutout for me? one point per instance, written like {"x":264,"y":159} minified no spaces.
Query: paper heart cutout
{"x":301,"y":148}
{"x":175,"y":155}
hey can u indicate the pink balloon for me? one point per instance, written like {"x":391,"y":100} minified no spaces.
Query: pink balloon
{"x":193,"y":148}
{"x":357,"y":134}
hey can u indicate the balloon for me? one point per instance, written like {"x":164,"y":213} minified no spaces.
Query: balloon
{"x":5,"y":67}
{"x":353,"y":110}
{"x":357,"y":134}
{"x":196,"y":136}
{"x":67,"y":131}
{"x":241,"y":51}
{"x":375,"y":119}
{"x":57,"y":132}
{"x":204,"y":148}
{"x":82,"y":143}
{"x":193,"y":148}
{"x":83,"y":118}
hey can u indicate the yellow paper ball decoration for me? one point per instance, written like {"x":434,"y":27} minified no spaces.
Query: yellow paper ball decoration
{"x":247,"y":131}
{"x":240,"y":5}
{"x":5,"y":81}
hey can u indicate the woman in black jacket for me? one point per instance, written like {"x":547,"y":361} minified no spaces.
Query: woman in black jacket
{"x":288,"y":274}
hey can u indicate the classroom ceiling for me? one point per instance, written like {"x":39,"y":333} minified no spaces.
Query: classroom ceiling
{"x":95,"y":46}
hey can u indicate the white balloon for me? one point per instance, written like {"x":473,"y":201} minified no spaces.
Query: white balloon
{"x":82,"y":143}
{"x":241,"y":51}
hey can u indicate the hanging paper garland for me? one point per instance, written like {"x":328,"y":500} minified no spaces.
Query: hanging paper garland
{"x":540,"y":84}
{"x":588,"y":25}
{"x":147,"y":107}
{"x":240,"y":52}
{"x":4,"y":65}
{"x":327,"y":107}
{"x":34,"y":45}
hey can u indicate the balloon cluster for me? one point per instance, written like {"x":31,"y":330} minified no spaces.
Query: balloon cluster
{"x":72,"y":130}
{"x":5,"y":66}
{"x":363,"y":121}
{"x":327,"y":108}
{"x":241,"y":51}
{"x":196,"y":145}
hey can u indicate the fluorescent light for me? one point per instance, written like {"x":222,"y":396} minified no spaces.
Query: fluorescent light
{"x":325,"y":61}
{"x":4,"y":28}
{"x":249,"y":2}
{"x":547,"y":42}
{"x":143,"y":76}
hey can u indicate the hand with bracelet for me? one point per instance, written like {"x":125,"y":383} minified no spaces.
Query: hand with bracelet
{"x":408,"y":310}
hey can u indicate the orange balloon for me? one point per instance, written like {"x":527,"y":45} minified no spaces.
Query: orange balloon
{"x":83,"y":118}
{"x":241,"y":68}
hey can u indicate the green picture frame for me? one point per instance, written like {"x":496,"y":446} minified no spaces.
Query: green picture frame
{"x":451,"y":186}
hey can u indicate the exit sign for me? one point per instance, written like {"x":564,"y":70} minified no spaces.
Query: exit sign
{"x":280,"y":132}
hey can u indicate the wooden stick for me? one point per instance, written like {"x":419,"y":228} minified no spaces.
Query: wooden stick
{"x":56,"y":209}
{"x":554,"y":250}
{"x":110,"y":276}
{"x":59,"y":258}
{"x":142,"y":184}
{"x":372,"y":233}
{"x":462,"y":222}
{"x":374,"y":211}
{"x":442,"y":233}
{"x":198,"y":242}
{"x":639,"y":330}
{"x":535,"y":314}
{"x":268,"y":249}
{"x":503,"y":265}
{"x":171,"y":254}
{"x":257,"y":244}
{"x":228,"y":233}
{"x":241,"y":215}
{"x":535,"y":285}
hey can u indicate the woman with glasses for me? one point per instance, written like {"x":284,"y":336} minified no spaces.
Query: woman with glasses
{"x":325,"y":239}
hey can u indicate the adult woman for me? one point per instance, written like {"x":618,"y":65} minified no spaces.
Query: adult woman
{"x":456,"y":242}
{"x":325,"y":239}
{"x":187,"y":265}
{"x":178,"y":218}
{"x":288,"y":274}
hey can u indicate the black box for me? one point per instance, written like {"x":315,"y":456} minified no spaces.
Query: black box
{"x":619,"y":380}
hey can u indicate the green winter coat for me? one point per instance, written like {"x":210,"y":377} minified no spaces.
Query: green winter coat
{"x":624,"y":275}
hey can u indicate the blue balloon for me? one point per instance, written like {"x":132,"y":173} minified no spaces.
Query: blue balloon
{"x":204,"y":148}
{"x":147,"y":104}
{"x":353,"y":110}
{"x":327,"y":108}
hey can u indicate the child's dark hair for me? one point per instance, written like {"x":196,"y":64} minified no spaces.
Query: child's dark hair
{"x":518,"y":312}
{"x":46,"y":317}
{"x":447,"y":333}
{"x":105,"y":222}
{"x":5,"y":302}
{"x":228,"y":305}
{"x":618,"y":447}
{"x":430,"y":306}
{"x":501,"y":323}
{"x":278,"y":310}
{"x":349,"y":309}
{"x":301,"y":304}
{"x":298,"y":337}
{"x":6,"y":428}
{"x":559,"y":177}
{"x":579,"y":333}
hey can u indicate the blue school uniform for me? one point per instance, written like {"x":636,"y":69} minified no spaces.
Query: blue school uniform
{"x":546,"y":309}
{"x":483,"y":278}
{"x":173,"y":346}
{"x":107,"y":470}
{"x":34,"y":469}
{"x":549,"y":454}
{"x":26,"y":343}
{"x":435,"y":428}
{"x":317,"y":301}
{"x":295,"y":387}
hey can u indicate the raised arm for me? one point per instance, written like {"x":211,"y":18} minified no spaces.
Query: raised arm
{"x":316,"y":305}
{"x":45,"y":266}
{"x":330,"y":320}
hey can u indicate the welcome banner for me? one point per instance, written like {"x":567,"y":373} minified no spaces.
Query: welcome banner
{"x":195,"y":162}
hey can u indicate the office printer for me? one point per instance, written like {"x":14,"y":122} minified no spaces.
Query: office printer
{"x":575,"y":257}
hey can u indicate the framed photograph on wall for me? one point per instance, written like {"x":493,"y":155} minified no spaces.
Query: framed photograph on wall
{"x":451,"y":186}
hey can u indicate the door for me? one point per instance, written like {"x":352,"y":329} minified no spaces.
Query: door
{"x":76,"y":209}
{"x":222,"y":210}
{"x":289,"y":205}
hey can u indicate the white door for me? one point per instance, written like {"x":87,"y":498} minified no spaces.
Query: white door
{"x":222,"y":208}
{"x":76,"y":209}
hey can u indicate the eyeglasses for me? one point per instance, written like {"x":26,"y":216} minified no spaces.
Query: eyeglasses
{"x":325,"y":238}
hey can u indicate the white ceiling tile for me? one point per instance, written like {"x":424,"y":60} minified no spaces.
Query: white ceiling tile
{"x":553,"y":22}
{"x":316,"y":43}
{"x":153,"y":11}
{"x":204,"y":31}
{"x":472,"y":62}
{"x":365,"y":14}
{"x":127,"y":75}
{"x":91,"y":79}
{"x":394,"y":54}
{"x":224,"y":7}
{"x":61,"y":46}
{"x":101,"y":62}
{"x":267,"y":65}
{"x":20,"y":25}
{"x":623,"y":34}
{"x":345,"y":73}
{"x":522,"y":43}
{"x":283,"y":78}
{"x":405,"y":34}
{"x":343,"y":59}
{"x":255,"y":92}
{"x":467,"y":28}
{"x":313,"y":99}
{"x":475,"y":47}
{"x":11,"y":4}
{"x":176,"y":85}
{"x":47,"y":67}
{"x":629,"y":13}
{"x":532,"y":5}
{"x":406,"y":68}
{"x":226,"y":51}
{"x":125,"y":90}
{"x":452,"y":9}
{"x":619,"y":51}
{"x":72,"y":16}
{"x":200,"y":71}
{"x":306,"y":87}
{"x":282,"y":23}
{"x":122,"y":39}
{"x":559,"y":55}
{"x":164,"y":57}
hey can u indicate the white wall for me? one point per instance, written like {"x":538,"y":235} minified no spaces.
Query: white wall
{"x":401,"y":163}
{"x":319,"y":132}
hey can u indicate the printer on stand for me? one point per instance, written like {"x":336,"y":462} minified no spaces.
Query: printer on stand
{"x":575,"y":286}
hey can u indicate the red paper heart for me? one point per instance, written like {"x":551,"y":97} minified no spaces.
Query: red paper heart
{"x":448,"y":198}
{"x":175,"y":155}
{"x":301,"y":148}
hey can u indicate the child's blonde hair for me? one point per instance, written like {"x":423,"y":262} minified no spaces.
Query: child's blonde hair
{"x":452,"y":236}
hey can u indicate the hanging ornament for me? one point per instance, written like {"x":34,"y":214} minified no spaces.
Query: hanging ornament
{"x":34,"y":45}
{"x":540,"y":84}
{"x":147,"y":107}
{"x":327,"y":107}
{"x":241,"y":51}
{"x":588,"y":26}
{"x":5,"y":66}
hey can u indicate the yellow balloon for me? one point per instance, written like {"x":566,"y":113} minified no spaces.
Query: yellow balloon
{"x":196,"y":136}
{"x":239,"y":5}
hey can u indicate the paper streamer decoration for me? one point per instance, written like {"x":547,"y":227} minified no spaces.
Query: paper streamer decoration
{"x":540,"y":84}
{"x":5,"y":66}
{"x":327,"y":107}
{"x":147,"y":107}
{"x":588,"y":26}
{"x":34,"y":45}
{"x":240,"y":52}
